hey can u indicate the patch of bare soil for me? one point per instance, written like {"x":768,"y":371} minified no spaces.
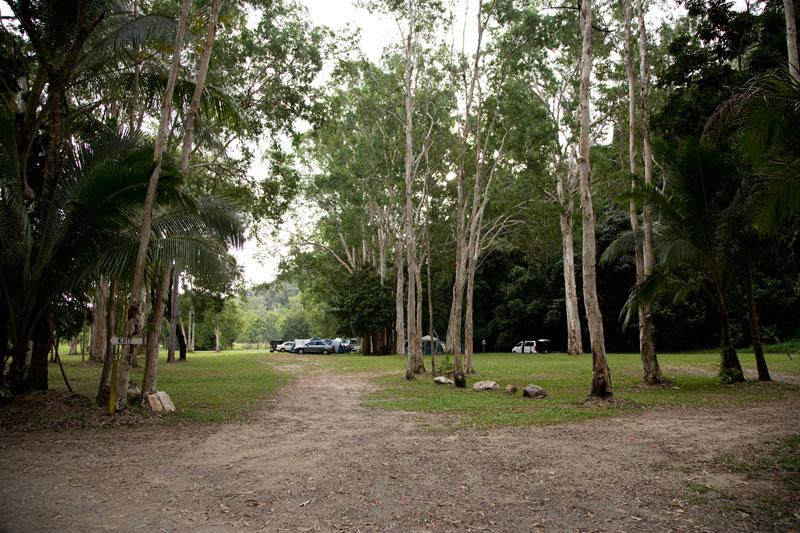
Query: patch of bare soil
{"x":316,"y":460}
{"x":63,"y":411}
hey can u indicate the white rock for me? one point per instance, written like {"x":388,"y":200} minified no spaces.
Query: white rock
{"x":486,"y":385}
{"x":166,"y":402}
{"x":153,"y":403}
{"x":442,"y":380}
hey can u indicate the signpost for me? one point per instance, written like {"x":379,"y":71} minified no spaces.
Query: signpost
{"x":127,"y":340}
{"x":112,"y":389}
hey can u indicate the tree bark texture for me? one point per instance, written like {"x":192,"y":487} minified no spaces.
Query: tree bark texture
{"x":601,"y":376}
{"x":412,"y":334}
{"x":651,"y":369}
{"x":97,"y":345}
{"x":755,"y":331}
{"x":644,"y":252}
{"x":110,"y":319}
{"x":791,"y":40}
{"x":180,"y":333}
{"x":399,"y":322}
{"x":730,"y":368}
{"x":173,"y":314}
{"x":419,"y":361}
{"x":154,"y":339}
{"x":136,"y":301}
{"x":430,"y":308}
{"x":564,"y":187}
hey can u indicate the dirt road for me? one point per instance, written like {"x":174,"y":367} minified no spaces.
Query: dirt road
{"x":316,"y":460}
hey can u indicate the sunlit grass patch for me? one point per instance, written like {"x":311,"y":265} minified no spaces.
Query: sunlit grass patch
{"x":692,"y":382}
{"x":208,"y":387}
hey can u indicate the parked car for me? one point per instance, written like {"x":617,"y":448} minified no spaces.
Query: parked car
{"x":285,"y":346}
{"x":313,"y":346}
{"x":524,"y":347}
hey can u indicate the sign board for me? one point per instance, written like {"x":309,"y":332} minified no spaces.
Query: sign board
{"x":127,"y":340}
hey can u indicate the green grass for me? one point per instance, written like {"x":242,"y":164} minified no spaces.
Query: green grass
{"x":692,"y":383}
{"x":228,"y":386}
{"x":209,"y":387}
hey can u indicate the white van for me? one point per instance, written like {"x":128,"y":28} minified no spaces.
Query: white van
{"x":525,"y":347}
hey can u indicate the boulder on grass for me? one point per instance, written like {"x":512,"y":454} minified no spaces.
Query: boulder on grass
{"x":533,"y":391}
{"x":443,"y":380}
{"x":166,"y":402}
{"x":485,"y":385}
{"x":152,"y":402}
{"x":511,"y":388}
{"x":159,"y":402}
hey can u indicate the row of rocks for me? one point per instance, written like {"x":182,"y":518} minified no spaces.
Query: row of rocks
{"x":529,"y":391}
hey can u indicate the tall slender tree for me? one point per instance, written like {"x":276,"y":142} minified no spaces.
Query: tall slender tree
{"x":601,"y":376}
{"x":135,"y":303}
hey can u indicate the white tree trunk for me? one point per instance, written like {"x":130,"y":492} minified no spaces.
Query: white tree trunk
{"x":791,"y":40}
{"x":199,"y":86}
{"x":217,"y":334}
{"x":469,"y":368}
{"x":651,"y":370}
{"x":564,"y":187}
{"x":412,"y":334}
{"x":190,"y":348}
{"x":147,"y":211}
{"x":399,"y":323}
{"x":601,"y":377}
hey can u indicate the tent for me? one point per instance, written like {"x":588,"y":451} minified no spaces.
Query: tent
{"x":429,"y":345}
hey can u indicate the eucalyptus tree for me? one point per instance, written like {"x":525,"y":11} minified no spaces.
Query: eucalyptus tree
{"x":644,"y":254}
{"x":601,"y":377}
{"x":791,"y":39}
{"x":542,"y":48}
{"x":132,"y":327}
{"x":475,"y":127}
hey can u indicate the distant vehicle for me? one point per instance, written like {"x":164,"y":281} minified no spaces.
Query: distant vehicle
{"x":543,"y":345}
{"x":285,"y":346}
{"x":525,"y":347}
{"x":273,"y":345}
{"x":313,"y":346}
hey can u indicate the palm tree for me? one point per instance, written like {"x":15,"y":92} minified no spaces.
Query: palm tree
{"x":762,"y":125}
{"x":62,"y":243}
{"x":695,"y":237}
{"x":762,"y":122}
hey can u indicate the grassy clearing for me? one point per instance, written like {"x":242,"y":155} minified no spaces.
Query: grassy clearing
{"x":209,"y":387}
{"x":230,"y":385}
{"x":692,"y":383}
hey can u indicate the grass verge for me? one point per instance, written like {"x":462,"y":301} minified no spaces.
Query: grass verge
{"x":692,"y":383}
{"x":209,"y":387}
